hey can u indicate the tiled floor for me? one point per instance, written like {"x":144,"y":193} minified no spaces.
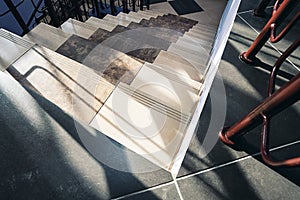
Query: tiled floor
{"x":45,"y":159}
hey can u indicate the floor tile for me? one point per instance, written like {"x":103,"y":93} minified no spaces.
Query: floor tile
{"x":43,"y":155}
{"x":245,"y":88}
{"x":166,"y":192}
{"x":251,"y":5}
{"x":259,"y":22}
{"x":247,"y":179}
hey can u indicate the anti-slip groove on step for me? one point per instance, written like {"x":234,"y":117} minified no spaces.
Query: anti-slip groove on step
{"x":175,"y":77}
{"x":155,"y":104}
{"x":15,"y":39}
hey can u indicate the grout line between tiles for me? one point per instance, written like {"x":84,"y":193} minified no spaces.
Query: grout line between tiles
{"x":145,"y":190}
{"x":237,"y":160}
{"x":244,"y":20}
{"x":247,"y":11}
{"x":177,"y":188}
{"x":201,"y":172}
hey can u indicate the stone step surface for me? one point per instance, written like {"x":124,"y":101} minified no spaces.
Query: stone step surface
{"x":209,"y":38}
{"x":139,"y":16}
{"x":114,"y":19}
{"x":100,"y":23}
{"x":13,"y":47}
{"x":73,"y":87}
{"x":178,"y":64}
{"x":150,"y":129}
{"x":127,"y":17}
{"x":79,"y":28}
{"x":47,"y":36}
{"x":199,"y":59}
{"x":115,"y":65}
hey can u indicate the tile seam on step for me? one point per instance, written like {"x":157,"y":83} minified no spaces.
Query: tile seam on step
{"x":275,"y":48}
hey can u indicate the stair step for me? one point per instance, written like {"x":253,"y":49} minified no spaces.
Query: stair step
{"x":191,"y":45}
{"x":155,"y":12}
{"x":168,"y":88}
{"x":114,"y":19}
{"x":208,"y":38}
{"x":203,"y":31}
{"x":128,"y":17}
{"x":115,"y":65}
{"x":47,"y":36}
{"x":140,"y":15}
{"x":191,"y":50}
{"x":100,"y":23}
{"x":196,"y":40}
{"x":71,"y":86}
{"x":13,"y":47}
{"x":181,"y":19}
{"x":173,"y":62}
{"x":149,"y":14}
{"x":209,"y":27}
{"x":200,"y":58}
{"x":174,"y":76}
{"x":79,"y":28}
{"x":144,"y":124}
{"x":164,"y":22}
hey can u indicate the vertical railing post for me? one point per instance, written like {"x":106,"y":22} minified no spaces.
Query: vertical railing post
{"x":283,"y":10}
{"x":52,"y":13}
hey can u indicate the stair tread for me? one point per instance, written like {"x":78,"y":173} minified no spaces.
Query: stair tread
{"x":100,"y":23}
{"x":170,"y":91}
{"x":47,"y":36}
{"x":140,"y":15}
{"x":191,"y":45}
{"x":157,"y":137}
{"x":73,"y":87}
{"x":79,"y":28}
{"x":209,"y":38}
{"x":191,"y":50}
{"x":148,"y":14}
{"x":179,"y":65}
{"x":155,"y":12}
{"x":174,"y":76}
{"x":14,"y":46}
{"x":127,"y":17}
{"x":196,"y":40}
{"x":201,"y":58}
{"x":116,"y":20}
{"x":115,"y":65}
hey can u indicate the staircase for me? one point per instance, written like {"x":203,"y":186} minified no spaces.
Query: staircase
{"x":140,"y":78}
